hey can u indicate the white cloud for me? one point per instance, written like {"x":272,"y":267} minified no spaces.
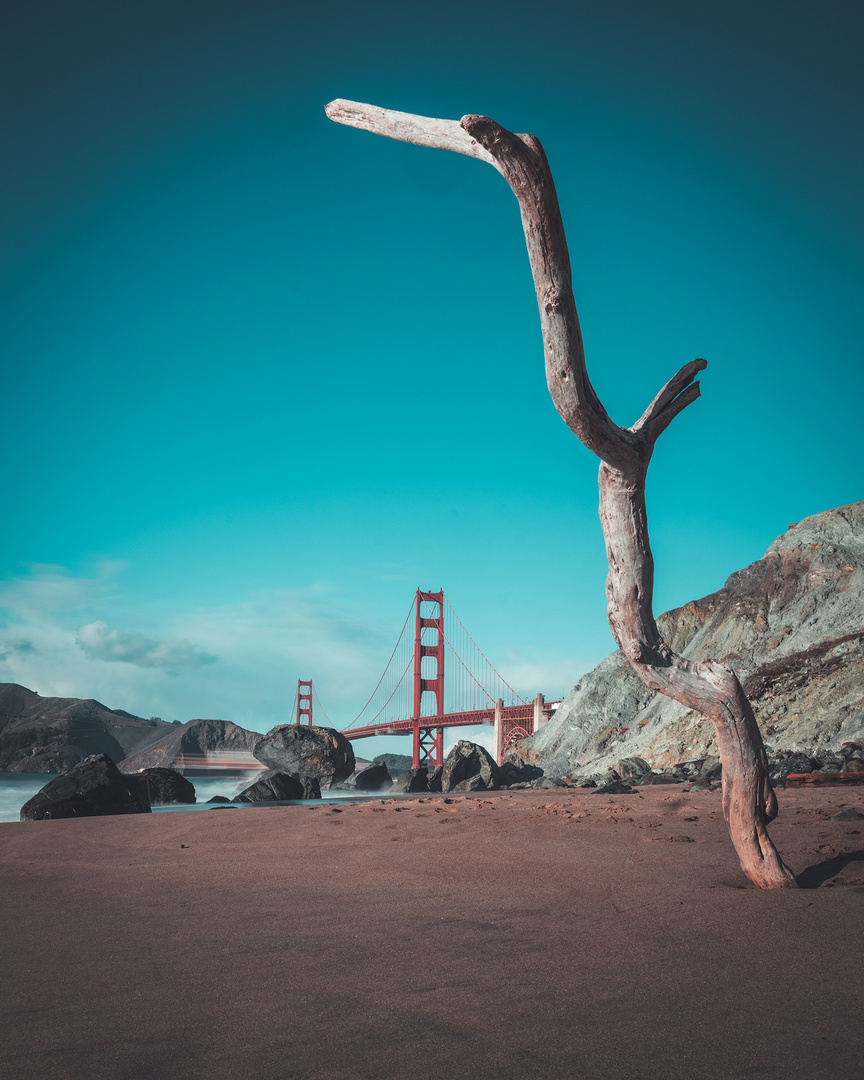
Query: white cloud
{"x":100,"y":642}
{"x":51,"y":590}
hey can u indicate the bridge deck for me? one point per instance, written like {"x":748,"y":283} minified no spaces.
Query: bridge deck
{"x":460,"y":719}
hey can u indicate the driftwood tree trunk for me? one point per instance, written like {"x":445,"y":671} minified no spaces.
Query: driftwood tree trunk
{"x":707,"y":687}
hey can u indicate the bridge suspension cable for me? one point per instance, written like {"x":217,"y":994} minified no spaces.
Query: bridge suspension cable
{"x":471,"y":681}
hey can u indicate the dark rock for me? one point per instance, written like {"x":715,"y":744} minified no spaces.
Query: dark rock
{"x":612,"y":787}
{"x":793,"y":763}
{"x":435,"y":778}
{"x":374,"y":777}
{"x":579,"y":781}
{"x":828,"y":761}
{"x":656,"y":778}
{"x":274,"y":786}
{"x":853,"y":765}
{"x":518,"y":772}
{"x":396,"y":763}
{"x":412,"y":780}
{"x":220,"y":799}
{"x":701,"y":784}
{"x":94,"y":787}
{"x":473,"y":783}
{"x":849,"y":815}
{"x":166,"y":786}
{"x":307,"y":751}
{"x":546,"y":783}
{"x":467,"y":759}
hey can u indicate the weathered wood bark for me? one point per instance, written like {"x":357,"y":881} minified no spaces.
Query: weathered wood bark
{"x":707,"y":687}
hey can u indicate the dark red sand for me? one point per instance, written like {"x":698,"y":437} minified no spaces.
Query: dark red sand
{"x":554,"y":935}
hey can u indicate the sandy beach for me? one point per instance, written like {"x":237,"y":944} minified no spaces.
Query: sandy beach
{"x":548,"y":934}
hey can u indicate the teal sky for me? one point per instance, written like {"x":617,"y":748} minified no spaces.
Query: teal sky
{"x":264,"y":375}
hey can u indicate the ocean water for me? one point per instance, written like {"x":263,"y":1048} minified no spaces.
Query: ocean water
{"x":17,"y":788}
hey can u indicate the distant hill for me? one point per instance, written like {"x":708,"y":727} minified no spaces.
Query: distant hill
{"x":183,"y":746}
{"x":790,"y":625}
{"x":50,"y":734}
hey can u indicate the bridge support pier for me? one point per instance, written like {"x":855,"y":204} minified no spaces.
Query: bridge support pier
{"x":428,"y":746}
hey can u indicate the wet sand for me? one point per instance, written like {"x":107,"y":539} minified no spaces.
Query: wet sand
{"x":551,"y":934}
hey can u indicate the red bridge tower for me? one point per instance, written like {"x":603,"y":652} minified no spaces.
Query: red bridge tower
{"x":428,"y":646}
{"x":304,"y":701}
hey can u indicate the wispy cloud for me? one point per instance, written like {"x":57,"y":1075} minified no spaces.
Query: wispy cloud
{"x":100,"y":642}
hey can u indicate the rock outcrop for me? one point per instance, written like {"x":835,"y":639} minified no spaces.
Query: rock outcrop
{"x":791,"y":625}
{"x":94,"y":787}
{"x":307,"y":751}
{"x":187,"y":745}
{"x":51,"y":734}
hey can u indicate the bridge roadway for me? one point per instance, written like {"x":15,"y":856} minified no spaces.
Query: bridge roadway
{"x":460,"y":719}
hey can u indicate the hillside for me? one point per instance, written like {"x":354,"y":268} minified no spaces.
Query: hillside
{"x":791,"y":625}
{"x":49,"y":734}
{"x":182,"y":746}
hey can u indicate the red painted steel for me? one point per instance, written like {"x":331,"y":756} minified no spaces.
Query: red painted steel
{"x":824,"y":779}
{"x":428,"y":740}
{"x":524,"y":713}
{"x":304,"y":701}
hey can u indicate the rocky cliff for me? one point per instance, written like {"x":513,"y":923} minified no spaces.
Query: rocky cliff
{"x":51,"y":734}
{"x":791,"y":625}
{"x":184,"y":746}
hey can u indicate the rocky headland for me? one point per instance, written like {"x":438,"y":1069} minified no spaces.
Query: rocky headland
{"x":51,"y":734}
{"x":791,"y":625}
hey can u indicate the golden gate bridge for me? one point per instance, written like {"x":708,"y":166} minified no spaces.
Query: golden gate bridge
{"x":412,"y":697}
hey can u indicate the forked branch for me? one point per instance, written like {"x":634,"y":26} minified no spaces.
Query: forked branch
{"x":708,"y":686}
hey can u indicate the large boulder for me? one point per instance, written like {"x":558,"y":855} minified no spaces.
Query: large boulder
{"x":94,"y":787}
{"x":467,"y":760}
{"x":275,"y":786}
{"x":167,"y":787}
{"x":374,"y":777}
{"x":306,"y":751}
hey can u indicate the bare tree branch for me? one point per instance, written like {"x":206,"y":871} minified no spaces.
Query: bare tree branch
{"x":708,"y":686}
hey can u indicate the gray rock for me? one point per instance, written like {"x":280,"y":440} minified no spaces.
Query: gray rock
{"x":473,"y":783}
{"x":700,"y":784}
{"x":467,"y":760}
{"x":94,"y":787}
{"x":435,"y":778}
{"x":631,"y":768}
{"x":712,"y":769}
{"x":274,"y":786}
{"x":412,"y":780}
{"x":374,"y":777}
{"x":307,"y":752}
{"x":612,"y":787}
